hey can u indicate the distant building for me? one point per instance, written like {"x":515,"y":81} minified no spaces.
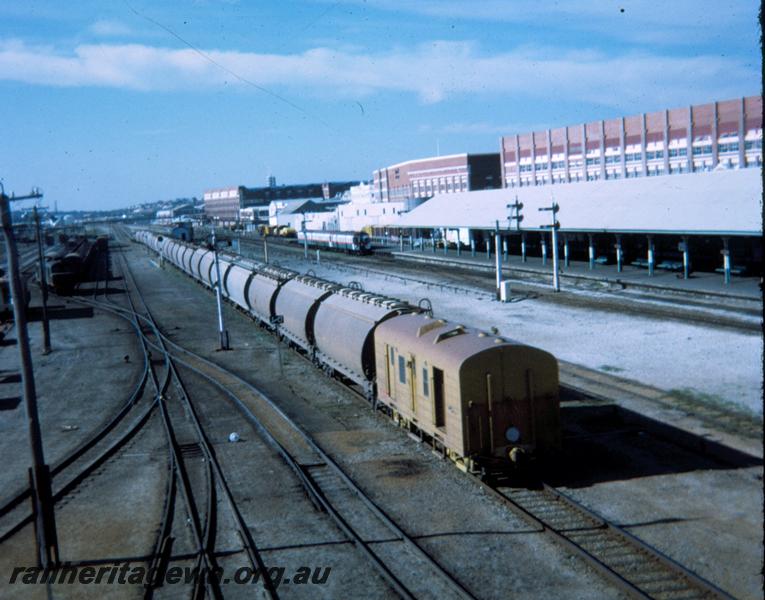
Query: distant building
{"x":254,"y":214}
{"x":174,"y":213}
{"x":426,"y":177}
{"x":318,"y":214}
{"x":719,"y":135}
{"x":363,"y":212}
{"x":224,"y":204}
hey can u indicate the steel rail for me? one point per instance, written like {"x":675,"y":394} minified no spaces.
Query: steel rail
{"x":313,"y":490}
{"x":19,"y":496}
{"x":179,"y":470}
{"x":311,"y":486}
{"x":62,"y":491}
{"x":206,"y":539}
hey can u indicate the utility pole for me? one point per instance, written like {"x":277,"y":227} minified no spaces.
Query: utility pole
{"x":43,"y":284}
{"x":554,"y":208}
{"x":219,"y":298}
{"x":45,"y":523}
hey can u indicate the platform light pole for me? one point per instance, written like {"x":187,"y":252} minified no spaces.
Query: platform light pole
{"x":42,"y":497}
{"x":497,"y":258}
{"x":554,"y":208}
{"x":305,"y":236}
{"x":43,"y":284}
{"x":219,"y":297}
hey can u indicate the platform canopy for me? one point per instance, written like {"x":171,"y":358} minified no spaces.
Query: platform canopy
{"x":712,"y":203}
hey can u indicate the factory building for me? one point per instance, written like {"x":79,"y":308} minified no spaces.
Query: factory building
{"x":718,"y":135}
{"x":426,"y":177}
{"x":224,"y":204}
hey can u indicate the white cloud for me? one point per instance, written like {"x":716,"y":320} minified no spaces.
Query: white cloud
{"x":109,"y":28}
{"x":433,"y":72}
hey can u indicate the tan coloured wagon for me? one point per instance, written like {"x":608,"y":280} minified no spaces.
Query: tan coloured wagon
{"x":477,"y":397}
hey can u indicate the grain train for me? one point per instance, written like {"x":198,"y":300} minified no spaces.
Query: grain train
{"x":481,"y":400}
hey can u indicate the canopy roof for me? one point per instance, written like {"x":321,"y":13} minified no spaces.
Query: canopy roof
{"x":725,"y":202}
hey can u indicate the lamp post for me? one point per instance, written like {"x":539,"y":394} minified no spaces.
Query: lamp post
{"x":305,"y":237}
{"x":219,"y":297}
{"x":554,"y":208}
{"x":45,"y":524}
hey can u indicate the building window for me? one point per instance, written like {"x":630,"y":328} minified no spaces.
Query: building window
{"x":699,"y":150}
{"x":425,"y":382}
{"x":402,"y":369}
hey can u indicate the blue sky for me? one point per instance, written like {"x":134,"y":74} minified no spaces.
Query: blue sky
{"x":109,"y":104}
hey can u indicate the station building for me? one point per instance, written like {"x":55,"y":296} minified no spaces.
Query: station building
{"x":425,"y":177}
{"x":726,"y":134}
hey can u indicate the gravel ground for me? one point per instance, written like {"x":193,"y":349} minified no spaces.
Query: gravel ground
{"x":717,"y":365}
{"x":490,"y":550}
{"x":79,"y":386}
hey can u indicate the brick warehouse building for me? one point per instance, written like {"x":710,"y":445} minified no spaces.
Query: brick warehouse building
{"x":224,"y":204}
{"x":725,"y":134}
{"x":425,"y":177}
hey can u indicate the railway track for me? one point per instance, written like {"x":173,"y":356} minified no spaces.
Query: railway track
{"x":324,"y":482}
{"x":638,"y":569}
{"x":187,"y":443}
{"x":690,"y":307}
{"x":117,"y":430}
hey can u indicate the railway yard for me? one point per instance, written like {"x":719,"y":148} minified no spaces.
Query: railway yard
{"x":169,"y":453}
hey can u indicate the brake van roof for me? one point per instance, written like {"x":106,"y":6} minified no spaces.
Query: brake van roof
{"x":438,"y":341}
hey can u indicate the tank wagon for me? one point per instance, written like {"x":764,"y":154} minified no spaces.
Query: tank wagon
{"x":354,"y":242}
{"x":481,"y":400}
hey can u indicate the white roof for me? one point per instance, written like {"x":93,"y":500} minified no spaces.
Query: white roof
{"x":716,"y":202}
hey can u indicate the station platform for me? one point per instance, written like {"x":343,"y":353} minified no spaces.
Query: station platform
{"x":603,"y":276}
